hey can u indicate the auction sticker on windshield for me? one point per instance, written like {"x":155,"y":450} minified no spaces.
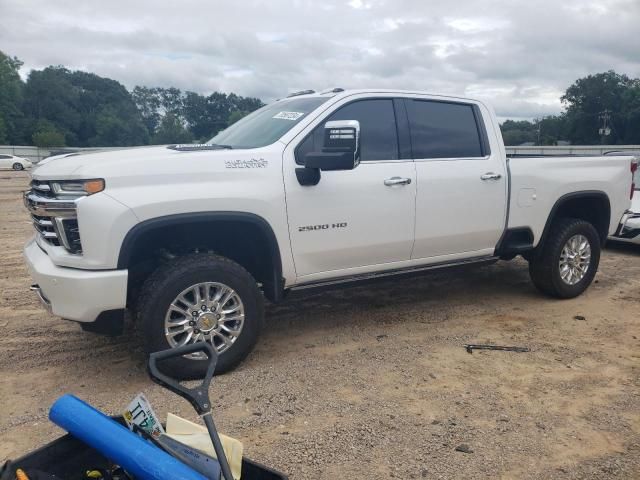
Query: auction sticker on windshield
{"x":289,"y":115}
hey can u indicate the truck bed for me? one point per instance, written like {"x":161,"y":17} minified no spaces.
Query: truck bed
{"x":536,"y":186}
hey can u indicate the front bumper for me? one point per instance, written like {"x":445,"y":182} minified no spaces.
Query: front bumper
{"x":629,"y":230}
{"x":75,"y":294}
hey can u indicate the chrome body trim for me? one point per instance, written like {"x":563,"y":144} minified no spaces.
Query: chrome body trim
{"x":43,"y":300}
{"x":45,"y":206}
{"x":48,"y":214}
{"x":62,"y":234}
{"x":390,"y":182}
{"x":491,"y":176}
{"x":391,"y":273}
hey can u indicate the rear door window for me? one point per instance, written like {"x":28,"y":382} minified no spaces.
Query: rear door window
{"x":443,"y":130}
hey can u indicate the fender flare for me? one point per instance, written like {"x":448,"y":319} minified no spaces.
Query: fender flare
{"x":572,"y":196}
{"x":273,"y":288}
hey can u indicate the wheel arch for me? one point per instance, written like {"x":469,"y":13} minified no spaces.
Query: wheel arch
{"x":248,"y":239}
{"x":592,"y":206}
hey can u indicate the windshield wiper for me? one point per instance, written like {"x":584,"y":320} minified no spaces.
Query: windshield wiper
{"x":187,"y":147}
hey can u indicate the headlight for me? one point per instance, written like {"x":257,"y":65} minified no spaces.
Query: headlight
{"x":77,"y":187}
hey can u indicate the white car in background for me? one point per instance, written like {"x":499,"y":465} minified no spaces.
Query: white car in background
{"x":630,"y":229}
{"x":13,"y":162}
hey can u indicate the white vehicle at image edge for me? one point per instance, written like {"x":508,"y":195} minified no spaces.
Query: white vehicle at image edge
{"x":630,"y":231}
{"x":14,"y":163}
{"x":312,"y":191}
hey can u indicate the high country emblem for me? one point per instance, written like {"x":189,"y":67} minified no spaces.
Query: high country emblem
{"x":253,"y":163}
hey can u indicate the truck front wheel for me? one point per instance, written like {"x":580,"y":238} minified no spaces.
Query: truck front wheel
{"x":201,"y":297}
{"x":565,"y":265}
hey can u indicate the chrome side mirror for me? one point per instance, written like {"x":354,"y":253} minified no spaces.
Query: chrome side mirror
{"x":341,"y":149}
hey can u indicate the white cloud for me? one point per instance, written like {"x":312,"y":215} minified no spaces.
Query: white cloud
{"x":476,"y":25}
{"x":520,"y":56}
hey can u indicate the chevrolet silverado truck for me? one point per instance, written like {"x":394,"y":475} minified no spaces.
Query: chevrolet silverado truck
{"x":311,"y":191}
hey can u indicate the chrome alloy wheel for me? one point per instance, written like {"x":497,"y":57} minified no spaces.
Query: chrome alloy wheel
{"x":575,"y":259}
{"x":210,"y":312}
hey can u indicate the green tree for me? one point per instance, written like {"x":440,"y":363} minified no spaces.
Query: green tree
{"x":11,"y":87}
{"x":171,"y":130}
{"x":206,"y":116}
{"x":81,"y":105}
{"x":518,"y":132}
{"x":148,"y":102}
{"x":111,"y":131}
{"x":546,"y":131}
{"x":89,"y":110}
{"x":46,"y":135}
{"x":203,"y":116}
{"x":589,"y":97}
{"x":235,"y":116}
{"x":629,"y":126}
{"x":553,"y":129}
{"x":3,"y":131}
{"x":171,"y":99}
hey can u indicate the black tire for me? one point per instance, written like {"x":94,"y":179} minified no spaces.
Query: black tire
{"x":544,"y":266}
{"x":18,"y":166}
{"x":164,"y":285}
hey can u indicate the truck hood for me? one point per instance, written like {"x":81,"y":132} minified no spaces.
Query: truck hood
{"x":141,"y":161}
{"x":97,"y":164}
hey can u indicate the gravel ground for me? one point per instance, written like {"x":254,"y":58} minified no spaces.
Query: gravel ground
{"x":371,"y":382}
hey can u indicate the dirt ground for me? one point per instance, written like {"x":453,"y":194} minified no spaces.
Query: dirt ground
{"x":371,"y":382}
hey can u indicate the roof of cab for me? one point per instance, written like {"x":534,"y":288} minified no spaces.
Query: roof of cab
{"x":340,"y":92}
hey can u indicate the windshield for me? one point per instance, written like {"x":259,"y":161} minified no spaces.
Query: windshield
{"x":268,"y":124}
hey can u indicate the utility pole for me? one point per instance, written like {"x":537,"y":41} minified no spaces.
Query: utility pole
{"x":539,"y":128}
{"x":605,"y":129}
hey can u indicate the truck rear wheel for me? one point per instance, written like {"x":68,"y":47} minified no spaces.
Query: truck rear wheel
{"x":201,"y":297}
{"x":565,"y":265}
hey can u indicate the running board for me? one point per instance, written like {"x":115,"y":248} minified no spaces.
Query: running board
{"x":366,"y":277}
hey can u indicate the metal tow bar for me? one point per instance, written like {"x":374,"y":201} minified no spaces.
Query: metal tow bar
{"x":471,"y":347}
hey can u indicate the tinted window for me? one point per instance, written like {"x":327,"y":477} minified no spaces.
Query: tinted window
{"x":5,"y":156}
{"x":378,"y":135}
{"x":443,"y":130}
{"x":268,"y":124}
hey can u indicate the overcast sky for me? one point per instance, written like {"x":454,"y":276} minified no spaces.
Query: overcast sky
{"x":519,"y":55}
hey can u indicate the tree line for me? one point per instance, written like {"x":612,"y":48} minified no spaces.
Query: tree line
{"x":57,"y":107}
{"x":599,"y":109}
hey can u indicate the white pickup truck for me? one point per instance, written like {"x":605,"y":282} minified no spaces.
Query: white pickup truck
{"x":314,"y":190}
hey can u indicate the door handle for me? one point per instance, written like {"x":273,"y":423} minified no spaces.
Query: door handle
{"x":490,"y":176}
{"x":390,"y":182}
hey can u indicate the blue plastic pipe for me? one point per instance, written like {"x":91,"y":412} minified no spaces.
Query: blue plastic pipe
{"x":137,"y":456}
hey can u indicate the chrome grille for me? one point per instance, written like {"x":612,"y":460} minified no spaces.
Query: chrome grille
{"x":54,"y":218}
{"x":44,"y":226}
